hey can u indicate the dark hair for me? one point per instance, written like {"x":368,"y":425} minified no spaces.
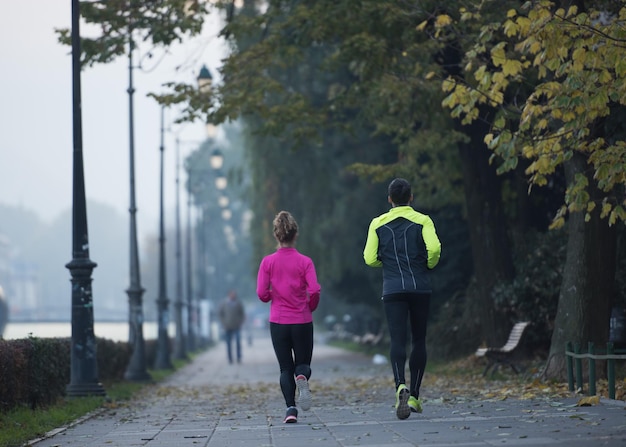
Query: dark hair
{"x":400,"y":191}
{"x":285,"y":227}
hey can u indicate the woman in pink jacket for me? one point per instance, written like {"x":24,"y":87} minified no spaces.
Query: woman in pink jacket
{"x":288,"y":280}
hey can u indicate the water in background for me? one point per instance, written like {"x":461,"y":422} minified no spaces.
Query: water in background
{"x":116,"y":331}
{"x":113,"y":331}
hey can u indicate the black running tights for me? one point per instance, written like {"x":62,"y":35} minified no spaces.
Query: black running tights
{"x":293,"y":345}
{"x":413,"y":308}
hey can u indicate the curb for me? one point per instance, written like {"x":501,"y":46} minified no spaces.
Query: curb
{"x":56,"y":431}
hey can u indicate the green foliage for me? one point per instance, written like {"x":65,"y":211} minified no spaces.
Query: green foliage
{"x":534,"y":293}
{"x":455,"y":268}
{"x":451,"y":334}
{"x":159,"y":23}
{"x":13,"y":368}
{"x":335,"y":104}
{"x":224,"y":241}
{"x":302,"y":71}
{"x":574,"y":61}
{"x":337,"y":99}
{"x":22,"y":424}
{"x":48,"y":372}
{"x":113,"y":358}
{"x":36,"y":371}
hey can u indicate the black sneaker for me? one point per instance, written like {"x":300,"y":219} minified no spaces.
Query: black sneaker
{"x":291,"y":416}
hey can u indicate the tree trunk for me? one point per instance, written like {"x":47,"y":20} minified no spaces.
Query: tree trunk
{"x":491,"y":249}
{"x":587,"y":287}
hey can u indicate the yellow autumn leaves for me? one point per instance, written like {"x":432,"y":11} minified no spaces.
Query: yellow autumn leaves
{"x":550,"y":76}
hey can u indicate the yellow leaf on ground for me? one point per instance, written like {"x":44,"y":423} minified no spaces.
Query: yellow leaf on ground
{"x":588,"y":401}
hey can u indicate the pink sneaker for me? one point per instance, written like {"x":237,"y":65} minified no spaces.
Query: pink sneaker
{"x":291,"y":416}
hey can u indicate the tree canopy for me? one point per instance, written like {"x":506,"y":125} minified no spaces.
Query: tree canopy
{"x":337,"y":98}
{"x":120,"y":21}
{"x":575,"y":63}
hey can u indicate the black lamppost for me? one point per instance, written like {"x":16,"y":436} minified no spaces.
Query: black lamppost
{"x":204,"y":80}
{"x":180,"y":347}
{"x":162,"y":360}
{"x":192,"y":313}
{"x":84,"y":368}
{"x":136,"y":370}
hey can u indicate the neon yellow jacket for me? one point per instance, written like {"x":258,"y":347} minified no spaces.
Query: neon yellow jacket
{"x":404,"y":242}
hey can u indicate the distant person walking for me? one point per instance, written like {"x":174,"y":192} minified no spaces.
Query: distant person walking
{"x":405,"y":244}
{"x":287,"y":280}
{"x":232,"y":315}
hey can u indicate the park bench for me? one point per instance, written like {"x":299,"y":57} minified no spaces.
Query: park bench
{"x":504,"y":354}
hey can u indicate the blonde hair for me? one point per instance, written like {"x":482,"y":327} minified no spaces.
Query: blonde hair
{"x":285,"y":227}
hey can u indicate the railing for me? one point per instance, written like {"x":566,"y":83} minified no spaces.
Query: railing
{"x":574,"y":360}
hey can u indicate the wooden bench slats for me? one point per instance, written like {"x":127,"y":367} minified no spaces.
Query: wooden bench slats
{"x":504,"y":353}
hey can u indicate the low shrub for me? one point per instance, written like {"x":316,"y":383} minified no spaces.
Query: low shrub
{"x":35,"y":372}
{"x":14,"y":356}
{"x":48,"y":370}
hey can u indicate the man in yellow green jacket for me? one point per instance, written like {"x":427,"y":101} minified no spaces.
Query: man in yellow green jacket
{"x":405,"y":244}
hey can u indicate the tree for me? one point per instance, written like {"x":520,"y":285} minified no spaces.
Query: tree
{"x":384,"y":90}
{"x":577,"y":60}
{"x":120,"y":21}
{"x":573,"y":61}
{"x":307,"y":174}
{"x":305,"y":72}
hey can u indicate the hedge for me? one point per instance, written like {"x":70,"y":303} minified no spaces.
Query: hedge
{"x":36,"y":371}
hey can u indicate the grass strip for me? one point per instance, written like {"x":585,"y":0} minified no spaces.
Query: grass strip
{"x":23,"y":424}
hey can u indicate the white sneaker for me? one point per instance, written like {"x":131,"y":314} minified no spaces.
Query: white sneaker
{"x":304,"y":393}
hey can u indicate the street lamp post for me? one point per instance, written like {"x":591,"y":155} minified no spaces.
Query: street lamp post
{"x":163,"y":349}
{"x":204,"y":80}
{"x":192,"y":313}
{"x":84,"y":368}
{"x":180,"y":347}
{"x":201,"y":267}
{"x":136,"y":369}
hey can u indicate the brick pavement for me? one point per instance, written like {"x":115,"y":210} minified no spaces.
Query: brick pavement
{"x":210,"y":403}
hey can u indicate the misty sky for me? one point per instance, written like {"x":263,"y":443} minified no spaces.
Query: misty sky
{"x":36,"y":116}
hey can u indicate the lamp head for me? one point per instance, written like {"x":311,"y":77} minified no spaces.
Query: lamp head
{"x":204,"y":78}
{"x":217,"y":159}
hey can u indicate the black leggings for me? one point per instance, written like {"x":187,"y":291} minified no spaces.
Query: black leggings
{"x":415,"y":307}
{"x":293,"y":345}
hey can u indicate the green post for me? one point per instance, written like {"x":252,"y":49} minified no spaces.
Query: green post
{"x":610,"y":363}
{"x":579,"y":368}
{"x":592,"y":370}
{"x":570,"y":366}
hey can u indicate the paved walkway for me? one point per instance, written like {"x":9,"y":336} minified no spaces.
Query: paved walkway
{"x":210,"y":403}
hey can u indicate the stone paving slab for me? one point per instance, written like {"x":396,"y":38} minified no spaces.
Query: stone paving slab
{"x":210,"y":403}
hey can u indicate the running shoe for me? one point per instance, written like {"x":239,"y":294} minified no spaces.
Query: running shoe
{"x":402,"y":397}
{"x":304,"y":393}
{"x":415,"y":404}
{"x":291,"y":416}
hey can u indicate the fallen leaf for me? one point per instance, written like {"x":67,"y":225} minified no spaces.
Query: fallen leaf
{"x":589,"y":401}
